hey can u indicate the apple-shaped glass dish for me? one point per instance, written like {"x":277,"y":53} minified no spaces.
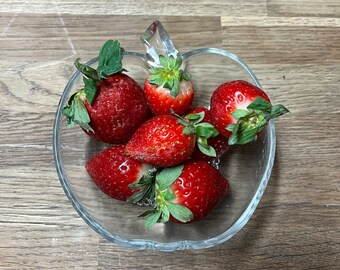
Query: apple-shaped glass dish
{"x":248,"y":167}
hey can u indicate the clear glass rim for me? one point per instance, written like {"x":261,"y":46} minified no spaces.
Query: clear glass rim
{"x":149,"y":244}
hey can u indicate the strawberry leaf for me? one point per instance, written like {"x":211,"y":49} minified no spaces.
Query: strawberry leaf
{"x":181,"y":121}
{"x":152,"y":71}
{"x":207,"y":149}
{"x":189,"y":130}
{"x":110,"y":59}
{"x":247,"y":136}
{"x":155,"y":79}
{"x":138,"y":196}
{"x":167,"y":176}
{"x":174,"y":89}
{"x":69,"y":112}
{"x":88,"y":71}
{"x":180,"y":212}
{"x":234,"y":128}
{"x":90,"y":89}
{"x":152,"y":218}
{"x":195,"y":118}
{"x":277,"y":110}
{"x":171,"y":61}
{"x":146,"y":213}
{"x":206,"y":130}
{"x":259,"y":104}
{"x":242,"y":134}
{"x":203,"y":141}
{"x":165,"y":214}
{"x":168,"y":194}
{"x":81,"y":116}
{"x":165,"y":62}
{"x":230,"y":127}
{"x":240,"y":113}
{"x":76,"y":112}
{"x":186,"y":76}
{"x":232,"y":139}
{"x":147,"y":187}
{"x":178,"y":63}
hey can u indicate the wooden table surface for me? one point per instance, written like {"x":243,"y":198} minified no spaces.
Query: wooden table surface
{"x":294,"y":49}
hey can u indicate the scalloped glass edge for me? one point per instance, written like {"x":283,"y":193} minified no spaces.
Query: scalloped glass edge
{"x":140,"y":244}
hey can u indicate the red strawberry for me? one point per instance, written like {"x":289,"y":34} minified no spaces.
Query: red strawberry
{"x":240,"y":111}
{"x":167,"y":140}
{"x":161,"y":142}
{"x":113,"y":171}
{"x":219,"y":142}
{"x":112,"y":105}
{"x":186,"y":193}
{"x":168,"y":87}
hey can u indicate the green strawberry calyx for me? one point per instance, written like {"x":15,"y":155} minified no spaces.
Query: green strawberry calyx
{"x":193,"y":125}
{"x":169,"y":74}
{"x":164,"y":200}
{"x":109,"y":62}
{"x":145,"y":186}
{"x":76,"y":112}
{"x":252,"y":120}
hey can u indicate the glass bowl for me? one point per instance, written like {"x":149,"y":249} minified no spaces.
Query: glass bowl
{"x":247,"y":167}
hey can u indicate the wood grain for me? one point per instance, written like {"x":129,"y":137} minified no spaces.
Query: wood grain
{"x":293,"y":48}
{"x":303,"y":8}
{"x":135,"y":7}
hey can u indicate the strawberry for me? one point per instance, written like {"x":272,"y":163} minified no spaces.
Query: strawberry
{"x":112,"y":105}
{"x":167,"y":140}
{"x":219,"y":142}
{"x":168,"y":87}
{"x":186,"y":193}
{"x":240,"y":111}
{"x":113,"y":172}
